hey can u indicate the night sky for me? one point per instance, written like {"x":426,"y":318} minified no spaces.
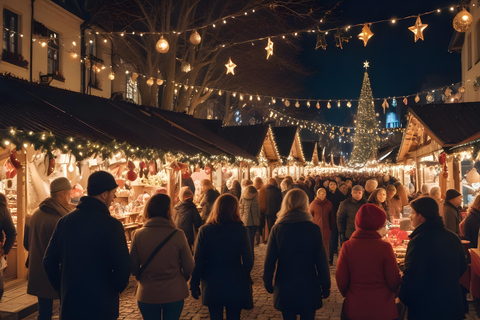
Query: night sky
{"x":398,"y":65}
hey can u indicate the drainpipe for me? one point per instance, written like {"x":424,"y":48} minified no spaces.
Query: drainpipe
{"x":31,"y":42}
{"x":82,"y":56}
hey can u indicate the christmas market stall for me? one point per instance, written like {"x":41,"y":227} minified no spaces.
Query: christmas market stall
{"x":440,"y":147}
{"x":290,"y":149}
{"x":310,"y":151}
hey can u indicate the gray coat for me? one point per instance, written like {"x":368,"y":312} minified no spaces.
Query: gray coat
{"x":452,"y":217}
{"x":40,"y":230}
{"x":249,"y":208}
{"x":347,"y":211}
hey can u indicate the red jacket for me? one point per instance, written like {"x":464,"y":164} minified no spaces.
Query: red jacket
{"x":324,"y":217}
{"x":368,"y":277}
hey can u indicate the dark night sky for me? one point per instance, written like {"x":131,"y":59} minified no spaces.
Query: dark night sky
{"x":398,"y":65}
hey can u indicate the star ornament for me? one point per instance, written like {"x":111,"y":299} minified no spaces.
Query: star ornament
{"x":366,"y":64}
{"x":366,"y":34}
{"x":269,"y":48}
{"x":230,"y":66}
{"x":418,"y":28}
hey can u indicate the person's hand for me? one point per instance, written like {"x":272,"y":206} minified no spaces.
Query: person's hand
{"x":326,"y":294}
{"x":269,"y":288}
{"x":195,"y":293}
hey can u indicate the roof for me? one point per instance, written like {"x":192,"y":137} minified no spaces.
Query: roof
{"x":456,"y":43}
{"x":249,"y":138}
{"x":450,"y":124}
{"x":284,"y":138}
{"x":308,"y":149}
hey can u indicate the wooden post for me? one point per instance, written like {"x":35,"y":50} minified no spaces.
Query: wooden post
{"x":21,"y":214}
{"x":170,"y":183}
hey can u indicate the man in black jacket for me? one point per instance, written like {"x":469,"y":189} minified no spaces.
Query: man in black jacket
{"x":87,"y":259}
{"x":274,"y":202}
{"x":347,"y":211}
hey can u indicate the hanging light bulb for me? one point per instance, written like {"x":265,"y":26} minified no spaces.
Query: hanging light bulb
{"x":73,"y":56}
{"x":349,"y":104}
{"x":162,"y":45}
{"x":297,"y":104}
{"x":195,"y":38}
{"x":308,"y":104}
{"x":329,"y":105}
{"x":318,"y":105}
{"x":338,"y":104}
{"x":150,"y":82}
{"x":70,"y":168}
{"x":462,"y":21}
{"x":287,"y":103}
{"x":111,"y":76}
{"x":186,"y":67}
{"x":159,"y":82}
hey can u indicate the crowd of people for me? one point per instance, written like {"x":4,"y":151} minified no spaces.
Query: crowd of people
{"x":207,"y":250}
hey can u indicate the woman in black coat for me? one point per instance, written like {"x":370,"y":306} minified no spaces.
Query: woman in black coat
{"x":223,"y":261}
{"x":472,"y":223}
{"x":296,"y":250}
{"x":186,"y":215}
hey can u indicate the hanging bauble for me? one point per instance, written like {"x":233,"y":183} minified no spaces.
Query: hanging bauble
{"x":418,"y":28}
{"x":348,"y":130}
{"x":195,"y":38}
{"x":318,"y":105}
{"x":461,"y":89}
{"x":14,"y":160}
{"x":73,"y":56}
{"x":186,"y":67}
{"x":111,"y":76}
{"x":150,"y":82}
{"x":394,"y":103}
{"x":162,"y":45}
{"x":405,"y":101}
{"x":329,"y":105}
{"x":159,"y":82}
{"x":417,"y":98}
{"x":208,"y":170}
{"x":131,"y":175}
{"x":448,"y":92}
{"x":51,"y":166}
{"x":134,"y":77}
{"x":308,"y":104}
{"x":384,"y":105}
{"x":297,"y":104}
{"x":462,"y":21}
{"x":349,"y":104}
{"x":287,"y":103}
{"x":366,"y":34}
{"x":429,"y":97}
{"x":338,"y":104}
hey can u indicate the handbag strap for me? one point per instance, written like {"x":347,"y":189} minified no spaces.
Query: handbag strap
{"x":154,"y":253}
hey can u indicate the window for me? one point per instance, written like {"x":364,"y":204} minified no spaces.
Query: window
{"x":132,"y":91}
{"x":392,"y":120}
{"x":53,"y":53}
{"x":469,"y":51}
{"x":10,"y":32}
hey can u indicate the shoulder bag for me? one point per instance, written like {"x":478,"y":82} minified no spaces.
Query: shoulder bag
{"x":144,"y":266}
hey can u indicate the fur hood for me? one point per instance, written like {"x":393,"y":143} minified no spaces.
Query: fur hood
{"x":247,"y":195}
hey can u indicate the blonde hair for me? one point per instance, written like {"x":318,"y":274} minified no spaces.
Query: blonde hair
{"x":295,"y":200}
{"x":434,"y":191}
{"x":475,"y":204}
{"x":185,"y":193}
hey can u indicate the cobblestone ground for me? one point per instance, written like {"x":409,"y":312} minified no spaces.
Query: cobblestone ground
{"x":263,"y":301}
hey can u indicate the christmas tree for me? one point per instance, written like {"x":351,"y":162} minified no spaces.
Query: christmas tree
{"x":366,"y":140}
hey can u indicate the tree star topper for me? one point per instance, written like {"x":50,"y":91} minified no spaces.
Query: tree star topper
{"x":366,"y":34}
{"x":418,"y":28}
{"x":366,"y":64}
{"x":230,"y":66}
{"x":269,"y":48}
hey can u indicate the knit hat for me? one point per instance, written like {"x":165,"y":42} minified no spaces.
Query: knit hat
{"x":60,"y":184}
{"x":452,"y":194}
{"x":370,"y":217}
{"x":357,"y":187}
{"x":426,"y":206}
{"x":99,"y":182}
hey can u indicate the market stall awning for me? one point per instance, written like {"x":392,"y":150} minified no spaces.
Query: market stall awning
{"x":288,"y":142}
{"x":309,"y":151}
{"x":249,"y":138}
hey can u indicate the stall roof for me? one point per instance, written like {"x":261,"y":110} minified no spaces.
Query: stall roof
{"x":249,"y":138}
{"x":114,"y":119}
{"x":284,"y":138}
{"x":308,"y":149}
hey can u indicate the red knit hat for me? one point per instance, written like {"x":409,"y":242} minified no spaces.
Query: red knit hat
{"x":370,"y":217}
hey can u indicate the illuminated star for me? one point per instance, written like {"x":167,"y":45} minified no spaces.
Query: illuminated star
{"x":366,"y":64}
{"x":366,"y":34}
{"x":230,"y":66}
{"x":418,"y":28}
{"x":321,"y":42}
{"x":269,"y":48}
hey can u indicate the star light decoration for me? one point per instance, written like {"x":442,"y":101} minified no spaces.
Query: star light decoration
{"x":366,"y":34}
{"x":269,"y":48}
{"x":366,"y":65}
{"x":230,"y":66}
{"x":340,"y":38}
{"x":418,"y":28}
{"x":321,"y":41}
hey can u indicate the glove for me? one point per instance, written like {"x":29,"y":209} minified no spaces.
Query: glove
{"x":269,"y":288}
{"x":195,"y":293}
{"x":326,"y":294}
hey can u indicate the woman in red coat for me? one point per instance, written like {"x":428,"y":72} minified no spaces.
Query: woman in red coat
{"x":367,"y":272}
{"x":323,"y":215}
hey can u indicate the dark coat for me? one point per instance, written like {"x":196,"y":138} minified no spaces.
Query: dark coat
{"x":452,"y":217}
{"x":274,"y":201}
{"x":40,"y":230}
{"x":188,"y":219}
{"x":207,"y":202}
{"x":87,"y":260}
{"x":434,"y":263}
{"x":8,"y":228}
{"x":223,"y":261}
{"x":368,"y":277}
{"x":472,"y":225}
{"x":296,"y":250}
{"x":347,"y":211}
{"x":335,"y":198}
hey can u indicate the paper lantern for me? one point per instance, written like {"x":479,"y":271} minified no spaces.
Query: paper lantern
{"x":162,"y":45}
{"x":195,"y":38}
{"x":462,"y":21}
{"x":159,"y":82}
{"x":111,"y":76}
{"x":150,"y":82}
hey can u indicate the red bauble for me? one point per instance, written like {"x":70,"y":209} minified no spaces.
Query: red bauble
{"x":224,"y":169}
{"x":51,"y":166}
{"x":14,"y":160}
{"x":130,"y":165}
{"x":208,"y":170}
{"x":131,"y":175}
{"x":442,"y":158}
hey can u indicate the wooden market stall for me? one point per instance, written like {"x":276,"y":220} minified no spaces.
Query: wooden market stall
{"x":289,"y":146}
{"x":310,"y":151}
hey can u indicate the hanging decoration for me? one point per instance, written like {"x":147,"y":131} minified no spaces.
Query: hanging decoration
{"x":329,"y":105}
{"x":150,"y":82}
{"x":230,"y":66}
{"x":162,"y":45}
{"x":429,"y":98}
{"x":297,"y":104}
{"x":111,"y":76}
{"x":321,"y":41}
{"x":394,"y":102}
{"x":134,"y":77}
{"x":340,"y":38}
{"x":418,"y":28}
{"x":462,"y":21}
{"x":461,"y":89}
{"x":448,"y":92}
{"x":308,"y":104}
{"x":269,"y":48}
{"x":186,"y":67}
{"x":287,"y":103}
{"x":384,"y":105}
{"x":338,"y":103}
{"x":417,"y":98}
{"x":160,"y":82}
{"x":195,"y":38}
{"x":318,"y":105}
{"x":366,"y":34}
{"x":73,"y":56}
{"x":405,"y":101}
{"x":349,"y":104}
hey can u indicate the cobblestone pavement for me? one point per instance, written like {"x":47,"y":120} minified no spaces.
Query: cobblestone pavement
{"x":263,"y":301}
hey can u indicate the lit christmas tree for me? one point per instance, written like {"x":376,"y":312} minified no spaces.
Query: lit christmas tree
{"x":366,"y":140}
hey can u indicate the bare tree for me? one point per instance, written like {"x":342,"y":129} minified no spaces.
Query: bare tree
{"x":150,"y":19}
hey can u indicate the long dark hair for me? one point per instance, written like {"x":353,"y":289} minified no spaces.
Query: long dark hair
{"x":225,"y":209}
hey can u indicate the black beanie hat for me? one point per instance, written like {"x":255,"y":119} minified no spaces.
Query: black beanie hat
{"x":426,"y":206}
{"x":99,"y":182}
{"x":452,"y":194}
